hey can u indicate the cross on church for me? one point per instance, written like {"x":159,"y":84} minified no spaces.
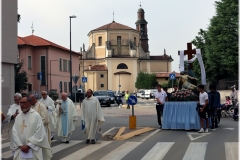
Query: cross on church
{"x":189,"y":52}
{"x":22,"y":126}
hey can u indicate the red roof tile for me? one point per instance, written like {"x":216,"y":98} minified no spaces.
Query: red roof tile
{"x":112,"y":26}
{"x":38,"y":41}
{"x":165,"y":74}
{"x":99,"y":68}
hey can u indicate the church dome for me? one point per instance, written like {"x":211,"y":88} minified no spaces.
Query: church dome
{"x":140,"y":10}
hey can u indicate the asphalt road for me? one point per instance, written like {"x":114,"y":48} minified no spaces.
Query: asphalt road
{"x":218,"y":144}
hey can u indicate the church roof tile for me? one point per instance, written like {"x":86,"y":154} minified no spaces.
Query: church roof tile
{"x":33,"y":40}
{"x":113,"y":26}
{"x":99,"y":68}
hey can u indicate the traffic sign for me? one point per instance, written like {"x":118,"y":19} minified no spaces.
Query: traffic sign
{"x":84,"y":79}
{"x":172,"y":76}
{"x":132,"y":100}
{"x":75,"y":79}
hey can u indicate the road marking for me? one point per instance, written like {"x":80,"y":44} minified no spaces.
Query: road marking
{"x":5,"y":144}
{"x":63,"y":146}
{"x":231,"y":150}
{"x":7,"y":154}
{"x":121,"y":151}
{"x":229,"y":128}
{"x":200,"y":135}
{"x":84,"y":152}
{"x":108,"y":131}
{"x":158,"y":151}
{"x":150,"y":135}
{"x":196,"y":151}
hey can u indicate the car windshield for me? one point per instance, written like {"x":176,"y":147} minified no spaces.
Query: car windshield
{"x":100,"y":93}
{"x":111,"y":94}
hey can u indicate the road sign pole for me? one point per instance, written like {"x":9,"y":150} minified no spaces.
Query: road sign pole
{"x":132,"y":110}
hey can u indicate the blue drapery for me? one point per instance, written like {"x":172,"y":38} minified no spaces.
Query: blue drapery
{"x":180,"y":115}
{"x":65,"y":117}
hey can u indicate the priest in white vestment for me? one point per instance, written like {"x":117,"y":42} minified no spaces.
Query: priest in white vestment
{"x":42,"y":110}
{"x":13,"y":111}
{"x":66,"y":118}
{"x":91,"y":115}
{"x":48,"y":102}
{"x":29,"y":136}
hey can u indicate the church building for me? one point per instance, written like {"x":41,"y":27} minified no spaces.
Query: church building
{"x":117,"y":53}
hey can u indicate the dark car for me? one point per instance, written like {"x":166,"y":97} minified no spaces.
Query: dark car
{"x":103,"y":97}
{"x":112,"y":96}
{"x":79,"y":96}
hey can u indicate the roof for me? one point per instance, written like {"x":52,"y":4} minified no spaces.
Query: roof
{"x":98,"y":68}
{"x":161,"y":57}
{"x":113,"y":26}
{"x":33,"y":40}
{"x":165,"y":74}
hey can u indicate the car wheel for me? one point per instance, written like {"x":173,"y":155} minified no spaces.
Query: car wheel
{"x":109,"y":104}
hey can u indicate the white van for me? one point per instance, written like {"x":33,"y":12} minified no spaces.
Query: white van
{"x":152,"y":93}
{"x":147,"y":94}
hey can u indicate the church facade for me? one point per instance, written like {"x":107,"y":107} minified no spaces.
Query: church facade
{"x":117,"y":53}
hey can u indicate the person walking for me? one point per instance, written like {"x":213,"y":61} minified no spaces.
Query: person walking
{"x":203,"y":108}
{"x":161,"y":97}
{"x":92,"y":116}
{"x":127,"y":95}
{"x":214,"y":106}
{"x":234,"y":96}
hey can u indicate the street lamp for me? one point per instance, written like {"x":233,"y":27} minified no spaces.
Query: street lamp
{"x":71,"y":55}
{"x":51,"y":73}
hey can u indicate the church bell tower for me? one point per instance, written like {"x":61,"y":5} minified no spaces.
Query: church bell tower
{"x":141,"y":26}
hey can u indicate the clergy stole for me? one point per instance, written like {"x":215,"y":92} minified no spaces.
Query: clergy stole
{"x":64,"y":117}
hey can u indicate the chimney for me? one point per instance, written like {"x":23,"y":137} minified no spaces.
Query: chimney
{"x":90,"y":67}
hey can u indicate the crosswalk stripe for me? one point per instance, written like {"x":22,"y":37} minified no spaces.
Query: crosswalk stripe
{"x":5,"y":144}
{"x":121,"y":151}
{"x":7,"y":154}
{"x":196,"y":151}
{"x":231,"y":150}
{"x":158,"y":151}
{"x":63,"y":146}
{"x":84,"y":152}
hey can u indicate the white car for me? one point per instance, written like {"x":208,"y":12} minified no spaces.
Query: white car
{"x":139,"y":93}
{"x":143,"y":94}
{"x":152,"y":93}
{"x":147,"y":94}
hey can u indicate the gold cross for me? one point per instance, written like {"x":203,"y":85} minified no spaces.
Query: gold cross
{"x":22,"y":126}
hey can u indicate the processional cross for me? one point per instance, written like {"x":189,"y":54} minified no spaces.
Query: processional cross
{"x":22,"y":126}
{"x":189,"y":52}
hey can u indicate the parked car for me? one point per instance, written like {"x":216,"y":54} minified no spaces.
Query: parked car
{"x":112,"y":96}
{"x":139,"y":93}
{"x":147,"y":94}
{"x":79,"y":96}
{"x":143,"y":94}
{"x":103,"y":97}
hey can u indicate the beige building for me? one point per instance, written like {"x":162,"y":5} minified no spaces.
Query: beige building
{"x":9,"y":51}
{"x":117,"y":53}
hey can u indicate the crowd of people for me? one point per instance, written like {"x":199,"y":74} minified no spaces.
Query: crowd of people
{"x":32,"y":123}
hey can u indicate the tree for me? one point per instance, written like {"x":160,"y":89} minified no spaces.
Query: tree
{"x":21,"y":80}
{"x":146,"y":81}
{"x":219,"y":43}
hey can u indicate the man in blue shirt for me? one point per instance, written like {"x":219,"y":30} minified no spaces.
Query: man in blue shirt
{"x":214,"y":106}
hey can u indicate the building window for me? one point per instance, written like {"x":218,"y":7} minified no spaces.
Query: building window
{"x":119,"y":40}
{"x":122,"y":66}
{"x":102,"y":85}
{"x":60,"y":86}
{"x":101,"y":75}
{"x":135,"y":41}
{"x":29,"y":62}
{"x":60,"y":64}
{"x":65,"y":65}
{"x":69,"y":66}
{"x":65,"y":87}
{"x":100,"y":41}
{"x":43,"y":70}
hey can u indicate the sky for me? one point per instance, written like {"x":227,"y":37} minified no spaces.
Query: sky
{"x":171,"y":23}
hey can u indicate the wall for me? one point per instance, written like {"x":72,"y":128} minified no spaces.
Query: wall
{"x":8,"y":50}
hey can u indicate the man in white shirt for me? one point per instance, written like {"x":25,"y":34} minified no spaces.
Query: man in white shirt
{"x":161,"y":97}
{"x":203,"y":108}
{"x":234,"y":95}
